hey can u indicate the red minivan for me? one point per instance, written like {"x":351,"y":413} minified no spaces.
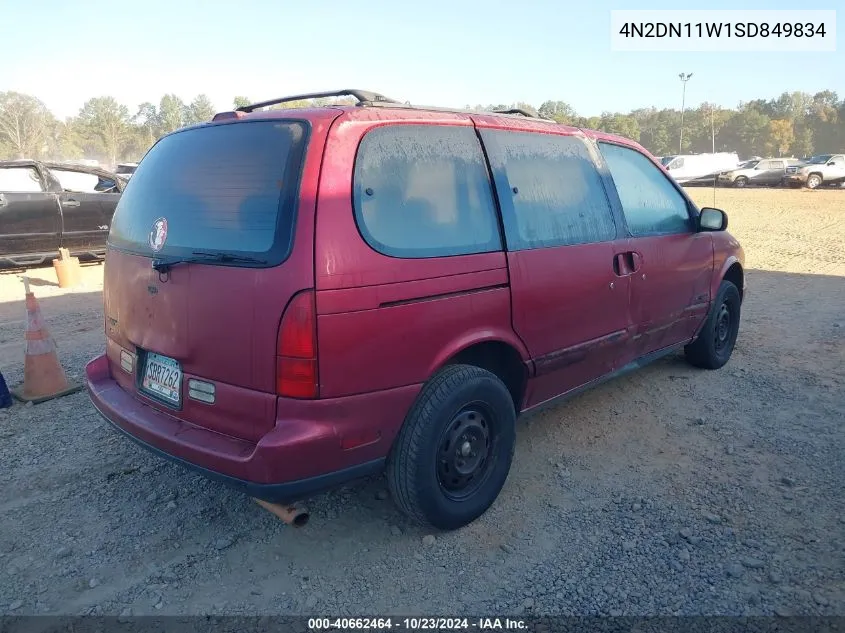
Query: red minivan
{"x":299,"y":297}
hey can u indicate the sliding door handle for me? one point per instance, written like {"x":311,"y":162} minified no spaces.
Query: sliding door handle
{"x":621,"y":266}
{"x":636,"y":261}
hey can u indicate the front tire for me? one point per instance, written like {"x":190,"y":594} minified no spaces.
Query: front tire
{"x":715,"y":343}
{"x":455,"y":448}
{"x":741,"y":182}
{"x":814,"y":181}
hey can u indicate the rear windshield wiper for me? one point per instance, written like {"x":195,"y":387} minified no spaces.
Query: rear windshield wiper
{"x":163,"y":265}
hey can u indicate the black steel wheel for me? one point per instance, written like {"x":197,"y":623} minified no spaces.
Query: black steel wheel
{"x":455,"y":448}
{"x":716,"y":340}
{"x":723,"y":328}
{"x":466,"y":455}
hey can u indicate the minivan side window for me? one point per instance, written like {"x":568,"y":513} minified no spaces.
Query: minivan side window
{"x":550,"y":191}
{"x":20,"y":180}
{"x":424,"y":191}
{"x":650,"y":202}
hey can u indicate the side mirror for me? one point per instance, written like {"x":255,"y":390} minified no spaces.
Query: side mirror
{"x":711,"y":219}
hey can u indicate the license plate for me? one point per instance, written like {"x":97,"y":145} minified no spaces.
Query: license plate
{"x":163,"y":378}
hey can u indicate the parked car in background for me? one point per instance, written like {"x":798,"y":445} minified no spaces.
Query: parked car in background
{"x":47,"y":206}
{"x":125,"y":170}
{"x":386,"y":287}
{"x":699,"y":168}
{"x":824,"y":169}
{"x":768,"y":171}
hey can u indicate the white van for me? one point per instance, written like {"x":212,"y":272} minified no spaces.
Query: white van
{"x":689,"y":168}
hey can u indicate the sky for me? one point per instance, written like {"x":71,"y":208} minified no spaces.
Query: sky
{"x":433,"y":52}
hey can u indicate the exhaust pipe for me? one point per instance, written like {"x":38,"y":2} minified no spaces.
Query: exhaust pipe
{"x":292,"y":515}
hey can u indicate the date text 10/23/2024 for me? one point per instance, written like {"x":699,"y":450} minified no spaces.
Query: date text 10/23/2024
{"x":417,"y":624}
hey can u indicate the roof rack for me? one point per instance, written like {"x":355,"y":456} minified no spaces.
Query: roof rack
{"x":509,"y":112}
{"x":363,"y":97}
{"x":530,"y":115}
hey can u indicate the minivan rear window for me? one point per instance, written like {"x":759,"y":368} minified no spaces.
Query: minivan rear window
{"x":229,"y":188}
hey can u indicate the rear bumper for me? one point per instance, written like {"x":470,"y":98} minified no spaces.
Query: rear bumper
{"x":304,"y":453}
{"x":794,"y":179}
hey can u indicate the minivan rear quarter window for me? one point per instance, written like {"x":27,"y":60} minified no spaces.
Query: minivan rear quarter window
{"x":229,"y":188}
{"x":423,"y":191}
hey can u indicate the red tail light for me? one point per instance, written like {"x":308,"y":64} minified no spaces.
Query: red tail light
{"x":296,"y":349}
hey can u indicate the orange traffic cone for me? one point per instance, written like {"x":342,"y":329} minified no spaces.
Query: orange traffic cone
{"x":44,"y":377}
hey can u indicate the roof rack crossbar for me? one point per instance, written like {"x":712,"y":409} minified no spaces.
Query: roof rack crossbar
{"x":363,"y":96}
{"x":513,"y":112}
{"x":530,"y":115}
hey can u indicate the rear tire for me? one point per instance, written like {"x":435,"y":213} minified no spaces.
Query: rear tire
{"x":455,"y":448}
{"x":715,"y":343}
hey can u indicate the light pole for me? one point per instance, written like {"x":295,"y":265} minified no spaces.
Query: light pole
{"x":713,"y":126}
{"x":684,"y":79}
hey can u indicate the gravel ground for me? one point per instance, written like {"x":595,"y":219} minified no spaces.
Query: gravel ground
{"x":668,"y":491}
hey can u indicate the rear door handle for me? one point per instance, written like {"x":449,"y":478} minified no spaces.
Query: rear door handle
{"x":70,"y":203}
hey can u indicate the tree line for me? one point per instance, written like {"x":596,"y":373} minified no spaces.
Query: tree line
{"x":794,"y":124}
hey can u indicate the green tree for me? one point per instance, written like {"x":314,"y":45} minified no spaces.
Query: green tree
{"x":105,"y":122}
{"x":781,"y":136}
{"x":137,"y":143}
{"x":65,"y":141}
{"x":620,"y":124}
{"x":802,"y":145}
{"x":200,"y":110}
{"x":146,"y":124}
{"x":559,"y":111}
{"x":240,"y":102}
{"x":25,"y":125}
{"x":824,"y":119}
{"x":658,"y":130}
{"x":171,"y":114}
{"x":748,"y":132}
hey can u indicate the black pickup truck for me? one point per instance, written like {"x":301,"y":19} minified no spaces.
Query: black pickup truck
{"x":47,"y":206}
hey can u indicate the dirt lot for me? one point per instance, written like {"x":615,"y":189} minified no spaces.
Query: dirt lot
{"x":672,"y":490}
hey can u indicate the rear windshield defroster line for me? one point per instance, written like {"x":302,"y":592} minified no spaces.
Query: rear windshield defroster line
{"x":222,"y":188}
